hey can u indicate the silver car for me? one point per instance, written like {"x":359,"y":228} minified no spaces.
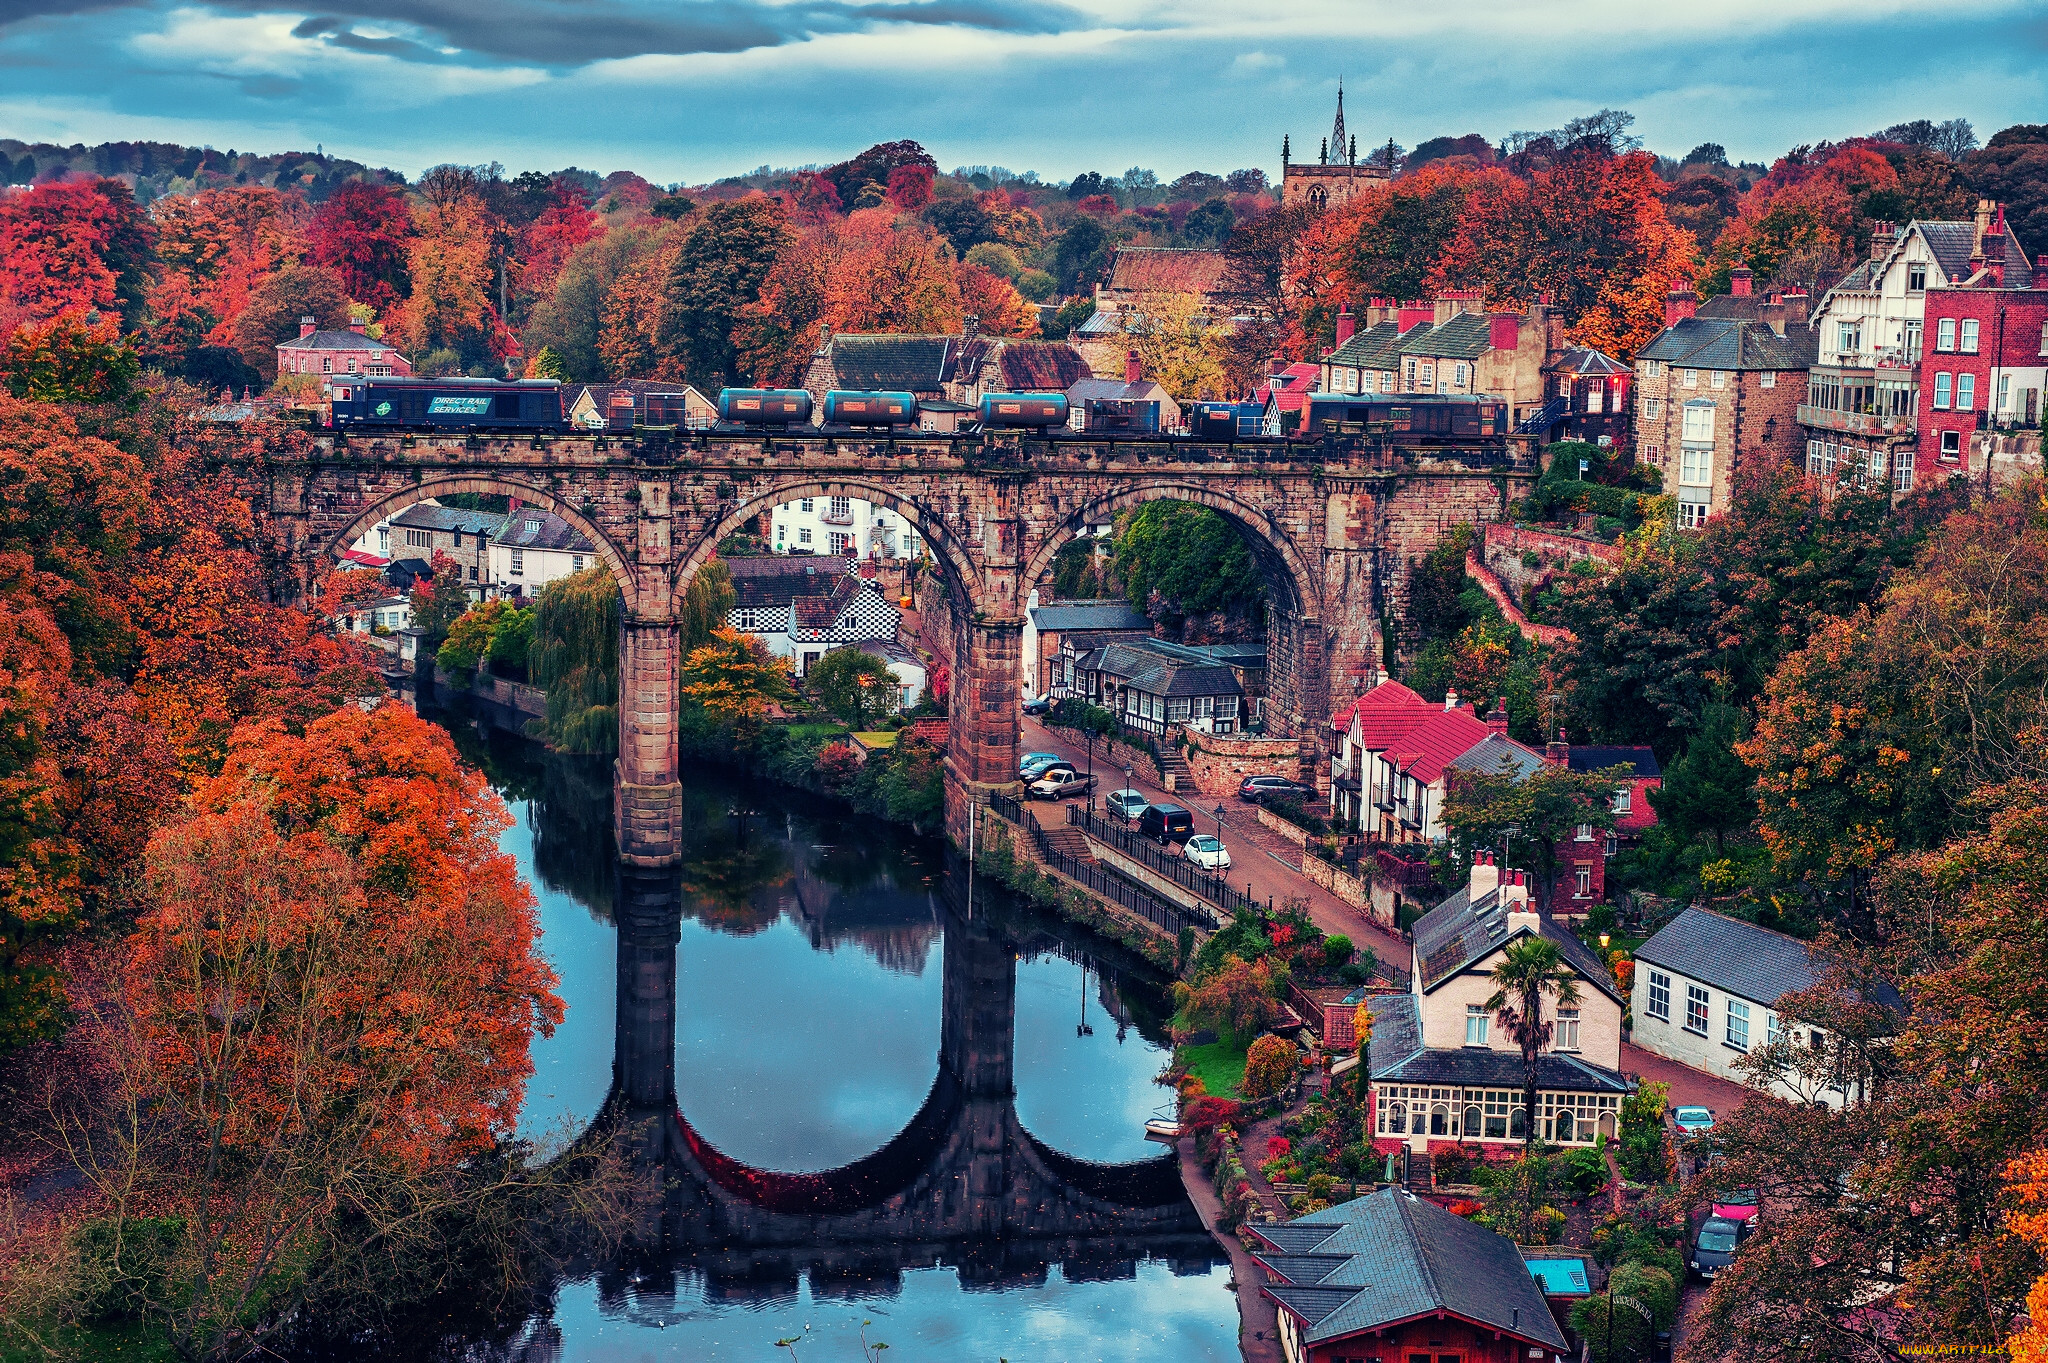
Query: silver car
{"x":1060,"y":783}
{"x":1126,"y":804}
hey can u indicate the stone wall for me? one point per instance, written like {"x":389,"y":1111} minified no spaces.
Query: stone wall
{"x":1293,"y":833}
{"x":1339,"y":882}
{"x":1505,"y":545}
{"x":1220,"y":763}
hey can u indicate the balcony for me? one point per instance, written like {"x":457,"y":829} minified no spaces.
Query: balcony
{"x":836,"y":517}
{"x":1854,"y":423}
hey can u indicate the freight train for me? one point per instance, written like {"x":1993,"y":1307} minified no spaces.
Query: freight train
{"x":478,"y":406}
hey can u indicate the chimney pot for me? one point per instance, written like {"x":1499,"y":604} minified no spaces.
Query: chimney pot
{"x":1883,"y":236}
{"x":1450,"y":700}
{"x":1680,"y":303}
{"x":307,"y":326}
{"x":1347,"y":325}
{"x":1497,"y":721}
{"x":359,"y":328}
{"x":1485,"y":878}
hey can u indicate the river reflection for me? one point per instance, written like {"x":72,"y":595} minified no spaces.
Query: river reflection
{"x":868,"y":1099}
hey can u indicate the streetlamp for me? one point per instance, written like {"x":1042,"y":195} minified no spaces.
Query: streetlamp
{"x":1219,"y":823}
{"x":1507,"y":839}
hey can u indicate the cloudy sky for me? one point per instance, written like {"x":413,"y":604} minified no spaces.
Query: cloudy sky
{"x":693,"y":89}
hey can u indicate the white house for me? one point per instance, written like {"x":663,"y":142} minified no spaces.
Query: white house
{"x":1442,"y":1066}
{"x":389,"y":613}
{"x":903,"y":665}
{"x":534,"y":548}
{"x":844,"y":526}
{"x":1707,"y":990}
{"x":803,"y":608}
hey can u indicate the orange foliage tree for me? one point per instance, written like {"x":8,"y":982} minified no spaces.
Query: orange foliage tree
{"x":994,"y":300}
{"x":81,"y":244}
{"x":452,"y":266}
{"x":225,"y":242}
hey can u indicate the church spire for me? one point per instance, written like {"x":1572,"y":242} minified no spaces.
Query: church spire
{"x":1337,"y":133}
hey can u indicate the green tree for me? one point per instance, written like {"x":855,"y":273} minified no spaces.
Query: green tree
{"x":546,"y":364}
{"x":1707,"y":792}
{"x":1644,"y":1300}
{"x":574,"y":657}
{"x":1192,"y":557}
{"x":857,"y":688}
{"x":1546,"y":808}
{"x":469,"y":639}
{"x":1530,"y":970}
{"x":723,"y":261}
{"x":707,"y":604}
{"x":511,"y":648}
{"x":1075,"y":575}
{"x":440,"y":600}
{"x":1236,"y":998}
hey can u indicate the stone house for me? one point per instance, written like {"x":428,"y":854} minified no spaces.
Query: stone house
{"x":1444,"y":1069}
{"x":1058,"y":634}
{"x":428,"y":528}
{"x":353,"y":351}
{"x":533,"y":548}
{"x":1337,"y":173}
{"x":1391,"y":1276}
{"x":1720,"y":384}
{"x":1707,"y":993}
{"x":1138,"y":274}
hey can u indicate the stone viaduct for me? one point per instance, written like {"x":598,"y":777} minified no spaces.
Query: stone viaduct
{"x":964,"y":1183}
{"x":1332,"y":523}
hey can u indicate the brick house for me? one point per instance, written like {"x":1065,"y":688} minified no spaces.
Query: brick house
{"x":1582,"y":857}
{"x":353,"y":351}
{"x":1058,"y":634}
{"x":1391,"y":1276}
{"x":1987,"y":368}
{"x":1720,"y":384}
{"x":1587,"y":398}
{"x":1865,"y":406}
{"x":428,"y":528}
{"x":1139,"y":273}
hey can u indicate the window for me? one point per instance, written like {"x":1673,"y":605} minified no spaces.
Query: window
{"x":2004,"y":403}
{"x":1475,"y":1025}
{"x":575,"y":563}
{"x":803,"y":535}
{"x":1177,"y":709}
{"x":1621,"y":800}
{"x":519,"y":563}
{"x":1969,"y":336}
{"x":1653,"y":409}
{"x":1584,"y":833}
{"x":418,"y":539}
{"x":1915,"y":335}
{"x":326,"y":365}
{"x":1719,"y":378}
{"x":1695,"y":467}
{"x":1951,"y":444}
{"x":1567,"y":1029}
{"x":2044,"y":338}
{"x":1945,"y":334}
{"x":1774,"y":1029}
{"x":1425,"y":374}
{"x":472,"y":572}
{"x":1692,"y":378}
{"x":1902,"y":471}
{"x":1659,"y":1005}
{"x":839,"y":544}
{"x":1941,"y":384}
{"x":750,"y":620}
{"x":1582,"y":880}
{"x":1966,"y":392}
{"x":1692,"y":515}
{"x":1916,"y":279}
{"x":1464,"y":375}
{"x":1848,"y":337}
{"x":1738,"y":1025}
{"x":1613,"y":844}
{"x":842,"y":507}
{"x":804,"y":504}
{"x":1699,"y":423}
{"x":1768,"y":379}
{"x":1695,"y":1009}
{"x":1651,"y":369}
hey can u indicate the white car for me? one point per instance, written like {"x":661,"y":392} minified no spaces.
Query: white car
{"x":1126,"y":804}
{"x":1208,"y":852}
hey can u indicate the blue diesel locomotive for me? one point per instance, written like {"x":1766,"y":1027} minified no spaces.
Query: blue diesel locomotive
{"x":448,"y":404}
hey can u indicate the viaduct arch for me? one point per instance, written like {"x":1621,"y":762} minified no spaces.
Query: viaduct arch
{"x":1332,"y":523}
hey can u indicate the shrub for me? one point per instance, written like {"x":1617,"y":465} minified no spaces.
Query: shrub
{"x":835,"y":764}
{"x":1207,"y":1113}
{"x":1277,"y":1146}
{"x":1268,"y":1065}
{"x":1321,"y":1186}
{"x":1336,"y":951}
{"x":1583,"y":1171}
{"x":1453,"y":1165}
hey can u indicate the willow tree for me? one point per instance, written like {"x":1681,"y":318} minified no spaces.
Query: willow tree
{"x":574,"y":657}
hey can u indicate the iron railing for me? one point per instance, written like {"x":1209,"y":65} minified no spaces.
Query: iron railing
{"x":1179,"y":870}
{"x":1163,"y":913}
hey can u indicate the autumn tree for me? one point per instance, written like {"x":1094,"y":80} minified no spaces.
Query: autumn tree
{"x":549,"y":240}
{"x":275,"y":306}
{"x":735,"y":677}
{"x":1177,"y":345}
{"x":717,"y":273}
{"x":994,"y":301}
{"x":1269,"y":1064}
{"x":78,"y":244}
{"x":226,"y":242}
{"x":1546,"y":807}
{"x":452,"y":263}
{"x":1237,"y":999}
{"x":74,"y":357}
{"x":361,"y":233}
{"x":439,"y":600}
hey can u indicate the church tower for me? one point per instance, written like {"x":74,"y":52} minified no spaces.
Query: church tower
{"x":1336,"y":174}
{"x":1337,"y":133}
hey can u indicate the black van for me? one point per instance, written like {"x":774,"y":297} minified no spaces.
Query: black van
{"x":1166,"y":823}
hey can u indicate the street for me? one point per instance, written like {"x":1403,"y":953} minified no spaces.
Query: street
{"x":1255,"y":850}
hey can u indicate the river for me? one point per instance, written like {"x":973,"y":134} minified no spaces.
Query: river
{"x":881,"y":1106}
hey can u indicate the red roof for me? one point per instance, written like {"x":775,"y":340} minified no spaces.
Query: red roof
{"x":1162,"y":269}
{"x":1290,"y":388}
{"x":1385,"y":694}
{"x":1438,"y":741}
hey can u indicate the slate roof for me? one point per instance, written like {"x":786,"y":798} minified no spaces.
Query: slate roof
{"x":1499,"y":755}
{"x":347,"y":340}
{"x":1952,"y":242}
{"x":1162,"y":269}
{"x":1402,"y":1257}
{"x":915,"y":364}
{"x":1732,"y":343}
{"x":1585,"y":360}
{"x":1159,"y":668}
{"x":1461,"y":932}
{"x":452,"y":519}
{"x":1373,"y":348}
{"x":1484,"y":1067}
{"x":531,"y":528}
{"x":1464,"y":337}
{"x":756,"y":590}
{"x":822,"y":611}
{"x":1040,"y":366}
{"x":1594,"y":757}
{"x":1734,"y":957}
{"x":1144,"y":390}
{"x":1079,"y":615}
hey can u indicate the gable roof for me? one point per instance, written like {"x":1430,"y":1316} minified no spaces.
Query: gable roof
{"x":531,"y":528}
{"x":1734,"y":957}
{"x":1952,"y":244}
{"x":1499,"y":755}
{"x":1164,"y":269}
{"x":757,"y":590}
{"x":1598,"y":757}
{"x":1289,"y":389}
{"x":1397,"y":1257}
{"x":1079,"y":615}
{"x":1464,"y":337}
{"x":1388,"y":694}
{"x":1160,"y":668}
{"x":822,"y":611}
{"x":1428,"y":749}
{"x":775,"y":565}
{"x":1733,"y":343}
{"x":335,"y":340}
{"x":1039,"y":366}
{"x":1461,"y":932}
{"x":894,"y":363}
{"x":1585,"y":361}
{"x":425,"y":516}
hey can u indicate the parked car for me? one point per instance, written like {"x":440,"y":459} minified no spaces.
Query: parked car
{"x":1693,"y":1121}
{"x":1166,"y":823}
{"x":1256,"y":788}
{"x":1125,"y":804}
{"x":1037,"y":705}
{"x":1060,"y":783}
{"x":1740,"y":1205}
{"x":1713,"y":1244}
{"x":1033,"y":765}
{"x":1208,"y":852}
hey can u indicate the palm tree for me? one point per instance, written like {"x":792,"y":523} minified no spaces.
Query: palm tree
{"x":1532,"y":967}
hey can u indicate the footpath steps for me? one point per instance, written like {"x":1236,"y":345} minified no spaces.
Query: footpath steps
{"x":1175,"y":774}
{"x":1068,"y":842}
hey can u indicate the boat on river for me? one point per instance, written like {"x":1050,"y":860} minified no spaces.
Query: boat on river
{"x":1161,"y":1129}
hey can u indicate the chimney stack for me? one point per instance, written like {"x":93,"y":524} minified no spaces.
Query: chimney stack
{"x":1497,"y":719}
{"x":1514,"y":897}
{"x":1883,"y":236}
{"x":1276,"y":366}
{"x":1557,"y":750}
{"x":2041,"y":272}
{"x":1485,"y":876}
{"x":307,"y":327}
{"x":359,"y":328}
{"x":1985,"y":208}
{"x":1347,"y":325}
{"x":1741,"y":281}
{"x":1411,"y":315}
{"x":1450,"y":700}
{"x":1503,"y":331}
{"x":1134,"y":368}
{"x":1680,"y":303}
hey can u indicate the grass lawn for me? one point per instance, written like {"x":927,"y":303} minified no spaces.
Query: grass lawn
{"x":874,"y":740}
{"x":1219,"y":1065}
{"x":814,"y":731}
